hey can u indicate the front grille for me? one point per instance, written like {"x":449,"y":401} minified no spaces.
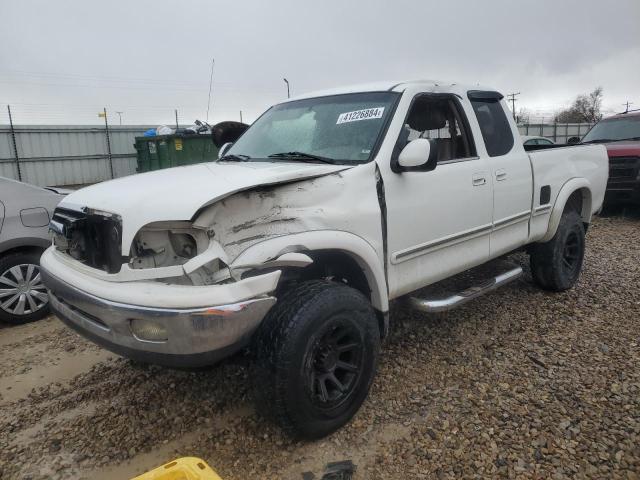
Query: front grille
{"x":623,"y":168}
{"x":91,"y":238}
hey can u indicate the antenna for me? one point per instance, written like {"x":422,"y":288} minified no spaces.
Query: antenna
{"x":213,"y":61}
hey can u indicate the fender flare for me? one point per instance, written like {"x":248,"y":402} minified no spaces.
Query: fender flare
{"x":356,"y":247}
{"x":565,"y":192}
{"x":25,"y":242}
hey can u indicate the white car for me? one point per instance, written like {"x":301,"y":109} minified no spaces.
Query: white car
{"x":528,"y":140}
{"x":295,"y":241}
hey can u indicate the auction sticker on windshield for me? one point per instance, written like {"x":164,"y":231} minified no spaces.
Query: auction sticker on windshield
{"x":366,"y":114}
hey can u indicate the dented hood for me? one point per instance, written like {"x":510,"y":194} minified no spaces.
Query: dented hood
{"x":178,"y":193}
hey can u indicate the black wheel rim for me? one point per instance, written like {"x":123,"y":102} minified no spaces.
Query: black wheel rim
{"x":571,"y":253}
{"x":334,"y":364}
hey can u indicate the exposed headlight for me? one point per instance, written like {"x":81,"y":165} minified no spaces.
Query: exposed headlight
{"x":164,"y":244}
{"x":171,"y":244}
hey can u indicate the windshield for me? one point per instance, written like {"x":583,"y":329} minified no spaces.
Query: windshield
{"x":339,"y":128}
{"x":625,"y":128}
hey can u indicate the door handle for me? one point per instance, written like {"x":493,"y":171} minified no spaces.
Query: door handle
{"x":478,"y":179}
{"x":501,"y":175}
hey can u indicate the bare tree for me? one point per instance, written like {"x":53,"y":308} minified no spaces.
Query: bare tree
{"x":584,"y":109}
{"x":523,"y":115}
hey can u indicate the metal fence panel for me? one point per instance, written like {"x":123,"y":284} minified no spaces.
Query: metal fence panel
{"x":68,"y":154}
{"x":77,"y":154}
{"x":558,"y":132}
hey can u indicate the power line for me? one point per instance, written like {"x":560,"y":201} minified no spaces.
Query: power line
{"x":109,"y":78}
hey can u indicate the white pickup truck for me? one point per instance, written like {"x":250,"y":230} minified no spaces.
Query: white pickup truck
{"x":295,"y":241}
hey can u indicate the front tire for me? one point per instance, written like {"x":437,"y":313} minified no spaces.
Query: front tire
{"x":317,"y":352}
{"x":556,"y":264}
{"x":23,"y":296}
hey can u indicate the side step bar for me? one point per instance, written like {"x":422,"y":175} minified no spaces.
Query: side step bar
{"x":455,"y":300}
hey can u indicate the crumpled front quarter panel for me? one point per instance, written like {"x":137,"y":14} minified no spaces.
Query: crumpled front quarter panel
{"x":178,"y":193}
{"x":343,"y":201}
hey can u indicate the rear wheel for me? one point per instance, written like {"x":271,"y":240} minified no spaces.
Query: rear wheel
{"x":556,"y":264}
{"x":317,"y":353}
{"x":23,"y":296}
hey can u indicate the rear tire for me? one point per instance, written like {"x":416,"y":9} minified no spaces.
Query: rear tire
{"x":317,"y":352}
{"x":556,"y":264}
{"x":23,"y":297}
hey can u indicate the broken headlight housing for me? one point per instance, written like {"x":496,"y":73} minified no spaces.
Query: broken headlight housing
{"x":164,"y":244}
{"x":170,"y":244}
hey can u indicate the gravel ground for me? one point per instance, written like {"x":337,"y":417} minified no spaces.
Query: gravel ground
{"x":519,"y":384}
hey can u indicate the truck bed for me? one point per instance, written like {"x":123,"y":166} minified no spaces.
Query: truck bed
{"x":553,"y":166}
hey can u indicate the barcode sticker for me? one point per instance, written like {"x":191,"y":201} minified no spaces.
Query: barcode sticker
{"x":356,"y":116}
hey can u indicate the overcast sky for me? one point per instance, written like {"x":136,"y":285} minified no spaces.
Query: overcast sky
{"x":62,"y":61}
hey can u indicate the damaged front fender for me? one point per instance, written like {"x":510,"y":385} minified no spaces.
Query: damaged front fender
{"x":337,"y":211}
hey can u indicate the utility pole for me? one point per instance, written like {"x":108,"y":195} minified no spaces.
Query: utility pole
{"x":240,"y":116}
{"x":176,"y":111}
{"x":288,"y":92}
{"x":512,"y":99}
{"x":627,"y":105}
{"x":120,"y":116}
{"x":213,"y":61}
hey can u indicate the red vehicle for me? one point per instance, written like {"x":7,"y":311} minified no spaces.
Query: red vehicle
{"x":621,"y":134}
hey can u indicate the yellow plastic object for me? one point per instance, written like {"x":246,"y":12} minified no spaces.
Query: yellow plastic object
{"x":186,"y":468}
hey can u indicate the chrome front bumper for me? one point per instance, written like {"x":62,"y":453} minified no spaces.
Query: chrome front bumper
{"x":195,"y":337}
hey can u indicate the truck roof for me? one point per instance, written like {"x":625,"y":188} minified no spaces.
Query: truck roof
{"x":392,"y":86}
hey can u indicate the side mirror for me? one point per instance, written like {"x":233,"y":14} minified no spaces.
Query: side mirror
{"x":223,"y":149}
{"x":573,"y":140}
{"x":419,"y":154}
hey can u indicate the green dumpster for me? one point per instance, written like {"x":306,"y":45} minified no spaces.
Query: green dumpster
{"x":164,"y":151}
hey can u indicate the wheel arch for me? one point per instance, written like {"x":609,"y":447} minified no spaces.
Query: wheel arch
{"x":575,"y":195}
{"x":24,"y":245}
{"x":353,"y":254}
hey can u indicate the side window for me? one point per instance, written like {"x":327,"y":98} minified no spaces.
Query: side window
{"x":531,"y":142}
{"x":439,"y":118}
{"x":494,"y":126}
{"x":545,"y":142}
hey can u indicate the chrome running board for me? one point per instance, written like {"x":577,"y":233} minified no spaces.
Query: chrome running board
{"x":432,"y":305}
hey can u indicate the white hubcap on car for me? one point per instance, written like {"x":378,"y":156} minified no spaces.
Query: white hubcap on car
{"x":21,"y":290}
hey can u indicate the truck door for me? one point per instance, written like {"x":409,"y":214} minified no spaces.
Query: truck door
{"x":511,"y":173}
{"x":439,"y":221}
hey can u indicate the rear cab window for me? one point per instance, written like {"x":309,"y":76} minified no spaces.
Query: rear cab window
{"x":493,"y":122}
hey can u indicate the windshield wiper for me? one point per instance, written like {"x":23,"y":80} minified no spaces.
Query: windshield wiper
{"x":235,"y":158}
{"x":303,"y":157}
